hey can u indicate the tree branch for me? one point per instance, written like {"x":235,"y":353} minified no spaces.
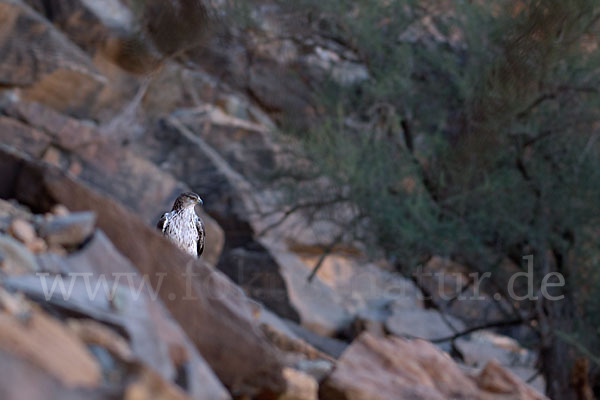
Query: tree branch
{"x":298,"y":207}
{"x":327,"y":251}
{"x":489,"y":325}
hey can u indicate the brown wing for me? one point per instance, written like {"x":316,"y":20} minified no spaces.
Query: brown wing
{"x":162,"y":223}
{"x":200,"y":229}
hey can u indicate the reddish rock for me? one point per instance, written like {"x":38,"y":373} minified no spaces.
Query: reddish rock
{"x":483,"y":347}
{"x":498,"y":380}
{"x":263,"y":266}
{"x":23,"y":230}
{"x":150,"y":326}
{"x":149,"y":385}
{"x":215,"y":315}
{"x":16,"y":258}
{"x":39,"y":246}
{"x":59,"y":210}
{"x":300,"y":386}
{"x":23,"y":379}
{"x":47,"y":344}
{"x":23,"y":137}
{"x":152,"y":339}
{"x":87,"y":23}
{"x":42,"y":62}
{"x":396,"y":369}
{"x":31,"y":48}
{"x":132,"y":180}
{"x":212,"y":311}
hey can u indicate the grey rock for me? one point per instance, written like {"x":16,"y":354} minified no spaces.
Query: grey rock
{"x":483,"y":347}
{"x":299,"y":386}
{"x":318,"y":369}
{"x":21,"y":378}
{"x":267,"y":270}
{"x":330,"y":346}
{"x":70,"y":230}
{"x":52,"y":263}
{"x":423,"y":324}
{"x":16,"y":258}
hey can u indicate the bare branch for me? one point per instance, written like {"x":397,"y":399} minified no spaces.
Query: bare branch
{"x":327,"y":252}
{"x":298,"y":207}
{"x":489,"y":325}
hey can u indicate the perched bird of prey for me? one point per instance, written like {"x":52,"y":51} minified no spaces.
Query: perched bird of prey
{"x":182,"y":225}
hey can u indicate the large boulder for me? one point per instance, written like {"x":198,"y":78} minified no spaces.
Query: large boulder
{"x":21,"y":378}
{"x":48,"y":344}
{"x":371,"y":293}
{"x":78,"y":148}
{"x":264,"y":265}
{"x":105,"y":288}
{"x":319,"y":307}
{"x":424,"y":324}
{"x":396,"y":369}
{"x":88,"y":24}
{"x":280,"y":61}
{"x":125,"y":41}
{"x":42,"y":63}
{"x":211,"y":310}
{"x":99,"y":302}
{"x":483,"y":347}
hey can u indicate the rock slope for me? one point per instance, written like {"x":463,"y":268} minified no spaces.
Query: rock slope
{"x":102,"y":123}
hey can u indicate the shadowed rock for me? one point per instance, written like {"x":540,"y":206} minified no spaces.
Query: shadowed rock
{"x":211,"y":310}
{"x":70,"y":230}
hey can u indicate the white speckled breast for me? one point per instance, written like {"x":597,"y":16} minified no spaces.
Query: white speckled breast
{"x":181,"y":229}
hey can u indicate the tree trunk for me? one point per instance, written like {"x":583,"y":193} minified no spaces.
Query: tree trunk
{"x":556,"y":355}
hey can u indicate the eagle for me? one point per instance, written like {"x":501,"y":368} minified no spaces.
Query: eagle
{"x":182,"y":226}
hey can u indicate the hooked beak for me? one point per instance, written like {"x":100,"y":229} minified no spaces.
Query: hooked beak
{"x":199,"y":201}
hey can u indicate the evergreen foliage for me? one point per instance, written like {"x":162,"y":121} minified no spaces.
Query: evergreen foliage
{"x":477,"y":140}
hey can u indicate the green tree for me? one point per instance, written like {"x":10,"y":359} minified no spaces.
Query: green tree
{"x":477,"y":140}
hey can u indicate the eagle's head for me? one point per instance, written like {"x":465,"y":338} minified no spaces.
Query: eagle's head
{"x":186,"y":200}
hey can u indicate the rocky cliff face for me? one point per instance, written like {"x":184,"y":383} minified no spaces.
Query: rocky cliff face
{"x":107,"y":112}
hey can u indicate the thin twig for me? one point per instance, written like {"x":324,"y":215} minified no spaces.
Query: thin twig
{"x":489,"y":325}
{"x":298,"y":207}
{"x":327,"y":251}
{"x":532,"y":377}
